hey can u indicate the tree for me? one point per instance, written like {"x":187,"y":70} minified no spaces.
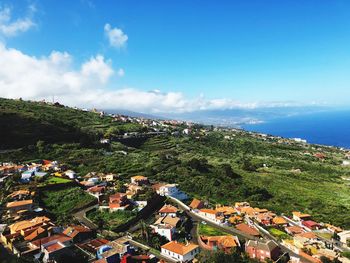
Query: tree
{"x":144,"y":230}
{"x":156,"y":242}
{"x":226,"y":169}
{"x":40,"y":146}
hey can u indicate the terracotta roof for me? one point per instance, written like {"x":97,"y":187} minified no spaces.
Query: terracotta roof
{"x":59,"y":237}
{"x":247,"y":229}
{"x":54,"y":247}
{"x":19,"y":203}
{"x":96,"y":189}
{"x":172,"y":221}
{"x":310,"y":223}
{"x":156,"y":187}
{"x":300,"y":215}
{"x":266,"y":246}
{"x":179,"y":248}
{"x":116,"y":197}
{"x":139,"y":178}
{"x":309,"y":235}
{"x":248,"y":210}
{"x":223,"y":241}
{"x":308,"y":257}
{"x":19,"y":192}
{"x":234,"y":219}
{"x":208,"y":211}
{"x":334,"y":228}
{"x":265,"y":216}
{"x":168,"y":209}
{"x":18,"y":226}
{"x":226,"y":210}
{"x":195,"y":203}
{"x":278,"y":220}
{"x":72,"y":231}
{"x":260,"y":210}
{"x":295,"y":229}
{"x":35,"y":234}
{"x":242,"y":204}
{"x":94,"y":244}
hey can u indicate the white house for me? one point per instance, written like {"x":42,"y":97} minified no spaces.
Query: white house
{"x":345,"y":237}
{"x":180,"y":252}
{"x":171,"y":190}
{"x":164,"y":230}
{"x":71,"y":174}
{"x":110,"y":177}
{"x":211,"y":215}
{"x":168,"y":210}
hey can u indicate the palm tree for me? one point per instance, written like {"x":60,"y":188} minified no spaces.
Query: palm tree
{"x":156,"y":242}
{"x":144,"y":230}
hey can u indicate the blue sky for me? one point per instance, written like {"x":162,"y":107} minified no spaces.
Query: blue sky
{"x":209,"y":54}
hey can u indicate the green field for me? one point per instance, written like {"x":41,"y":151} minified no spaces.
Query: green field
{"x":61,"y":203}
{"x":110,"y":220}
{"x":279,"y":234}
{"x":54,"y":180}
{"x":207,"y":230}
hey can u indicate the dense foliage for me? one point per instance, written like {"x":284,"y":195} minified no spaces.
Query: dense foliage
{"x":110,"y":220}
{"x":61,"y":203}
{"x":24,"y":123}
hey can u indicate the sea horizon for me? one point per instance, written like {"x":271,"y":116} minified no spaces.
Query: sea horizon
{"x":324,"y":128}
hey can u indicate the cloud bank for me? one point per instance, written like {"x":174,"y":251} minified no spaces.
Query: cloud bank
{"x":89,"y":85}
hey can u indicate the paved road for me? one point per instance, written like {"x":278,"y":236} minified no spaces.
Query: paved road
{"x":81,"y":217}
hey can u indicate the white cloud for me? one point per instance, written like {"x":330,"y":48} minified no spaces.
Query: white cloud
{"x":33,"y":78}
{"x":116,"y":37}
{"x":30,"y":77}
{"x":10,"y":27}
{"x":98,"y":67}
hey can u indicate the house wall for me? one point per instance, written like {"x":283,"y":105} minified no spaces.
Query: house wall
{"x":261,"y":254}
{"x":172,"y":254}
{"x":168,"y":233}
{"x":187,"y":257}
{"x":208,"y":215}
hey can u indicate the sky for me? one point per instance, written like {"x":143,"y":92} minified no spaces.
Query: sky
{"x":176,"y":55}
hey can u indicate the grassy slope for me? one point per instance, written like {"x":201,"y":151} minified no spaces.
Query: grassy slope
{"x":23,"y":123}
{"x":318,"y":189}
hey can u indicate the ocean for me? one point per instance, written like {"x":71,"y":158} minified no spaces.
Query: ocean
{"x":327,"y":128}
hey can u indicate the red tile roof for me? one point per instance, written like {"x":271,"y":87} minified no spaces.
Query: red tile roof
{"x":196,"y":204}
{"x":54,"y":247}
{"x":179,"y":248}
{"x":247,"y":229}
{"x":58,"y":237}
{"x":310,"y":223}
{"x":72,"y":231}
{"x":19,"y":203}
{"x":168,"y":209}
{"x":208,"y":211}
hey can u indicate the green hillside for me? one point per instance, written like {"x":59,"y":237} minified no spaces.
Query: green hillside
{"x":24,"y":123}
{"x":277,"y":175}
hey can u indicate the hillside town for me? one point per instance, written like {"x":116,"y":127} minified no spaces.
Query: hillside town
{"x":160,"y":223}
